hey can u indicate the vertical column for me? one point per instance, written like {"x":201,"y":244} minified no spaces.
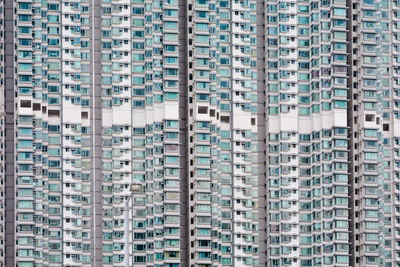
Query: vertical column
{"x":2,"y":137}
{"x":96,"y":125}
{"x":350,"y":125}
{"x":9,"y":133}
{"x":395,"y":130}
{"x":184,"y":134}
{"x":261,"y":128}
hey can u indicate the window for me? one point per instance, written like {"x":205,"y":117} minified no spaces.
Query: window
{"x":339,"y":12}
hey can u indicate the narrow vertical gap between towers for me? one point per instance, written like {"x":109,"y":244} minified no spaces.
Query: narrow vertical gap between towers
{"x":350,"y":127}
{"x":96,"y":125}
{"x":261,"y":128}
{"x":183,"y":133}
{"x":9,"y":133}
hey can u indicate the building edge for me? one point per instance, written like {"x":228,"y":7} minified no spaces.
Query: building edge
{"x":9,"y":133}
{"x":183,"y":133}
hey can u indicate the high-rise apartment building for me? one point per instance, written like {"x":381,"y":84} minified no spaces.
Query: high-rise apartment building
{"x":222,"y":134}
{"x":332,"y":133}
{"x":261,"y":133}
{"x":375,"y":133}
{"x":307,"y":133}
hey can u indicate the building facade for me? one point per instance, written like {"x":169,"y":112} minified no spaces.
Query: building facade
{"x":307,"y":151}
{"x":2,"y":136}
{"x":374,"y":83}
{"x":262,"y":133}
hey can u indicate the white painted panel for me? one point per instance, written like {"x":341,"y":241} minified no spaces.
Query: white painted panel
{"x":316,"y":122}
{"x":305,"y":125}
{"x":225,"y":126}
{"x":25,"y":111}
{"x":149,"y":115}
{"x":396,"y":128}
{"x":327,"y":120}
{"x":171,"y":110}
{"x":54,"y":120}
{"x":341,"y":118}
{"x":240,"y":118}
{"x":138,"y":118}
{"x":71,"y":114}
{"x":241,"y":121}
{"x":159,"y":113}
{"x":288,"y":122}
{"x":202,"y":117}
{"x":106,"y":118}
{"x":121,"y":116}
{"x":273,"y":124}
